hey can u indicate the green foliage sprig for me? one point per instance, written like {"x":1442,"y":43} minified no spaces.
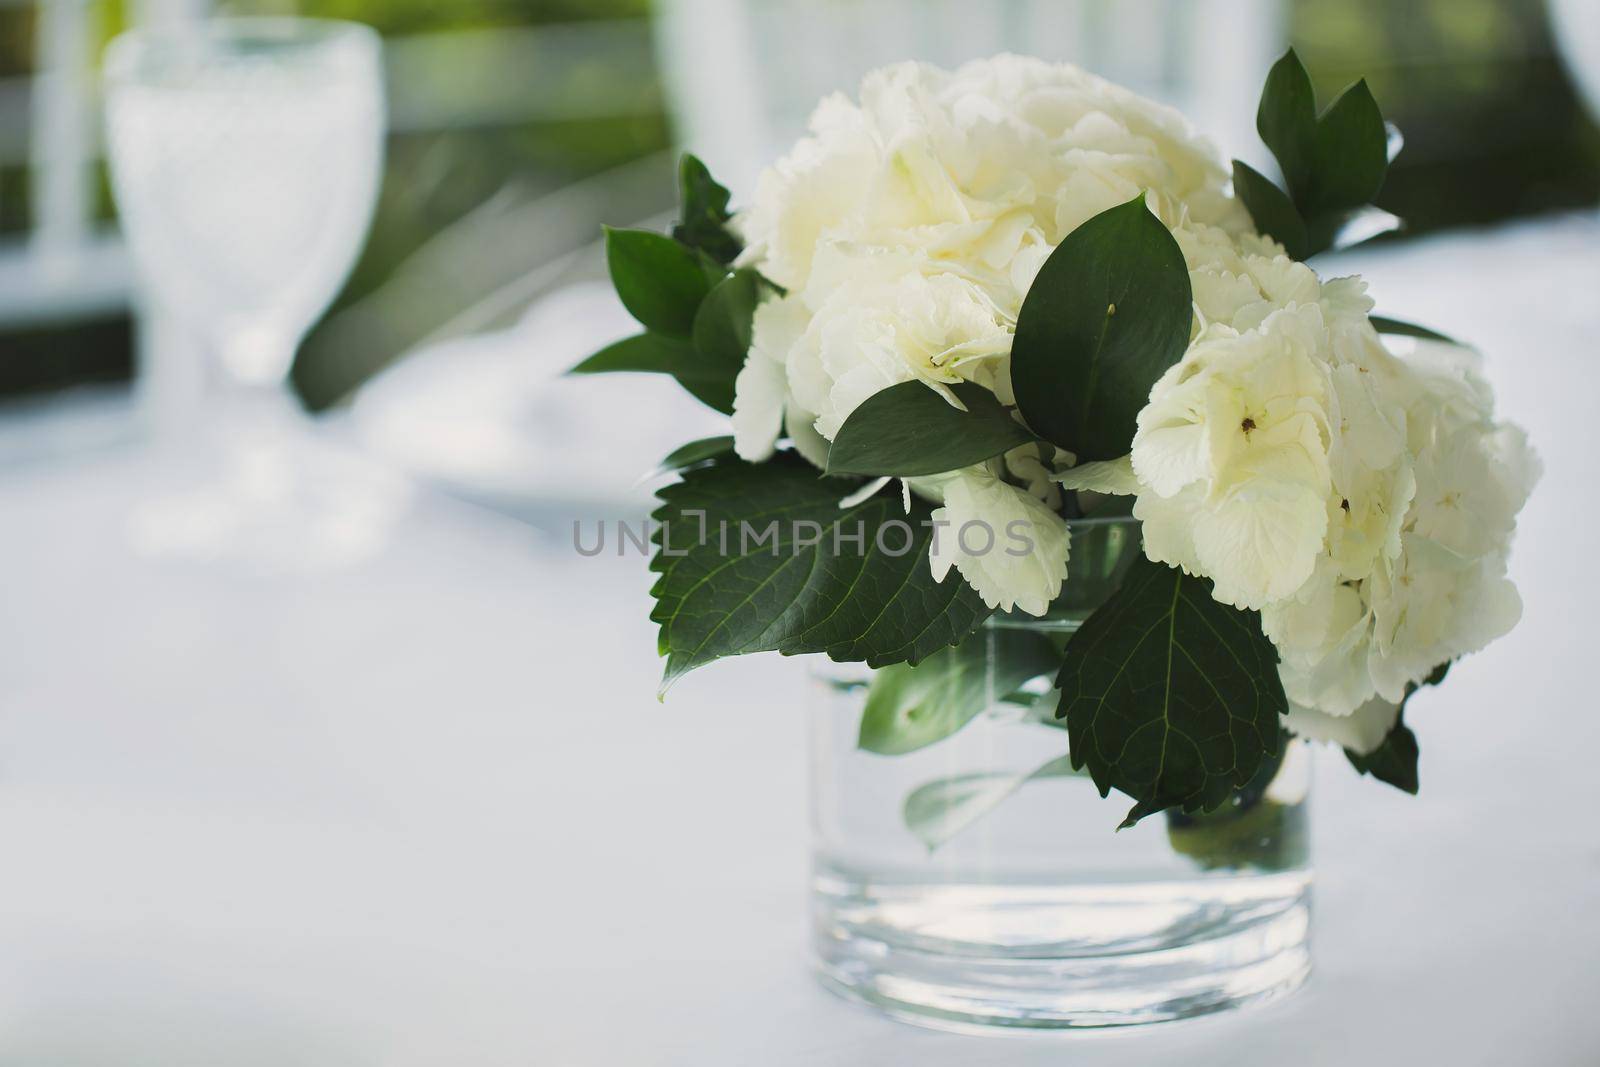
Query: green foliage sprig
{"x":1334,"y":163}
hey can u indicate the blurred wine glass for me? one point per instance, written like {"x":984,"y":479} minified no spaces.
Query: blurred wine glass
{"x":246,"y":156}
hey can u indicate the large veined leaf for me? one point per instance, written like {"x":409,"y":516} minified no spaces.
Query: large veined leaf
{"x":908,"y":430}
{"x":1108,"y":313}
{"x":911,"y":707}
{"x":704,"y":215}
{"x":1170,"y":696}
{"x":761,"y":557}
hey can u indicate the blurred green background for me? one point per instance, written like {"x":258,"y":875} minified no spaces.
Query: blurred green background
{"x":540,"y":116}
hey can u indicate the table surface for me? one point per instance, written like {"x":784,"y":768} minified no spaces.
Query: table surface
{"x":426,"y":809}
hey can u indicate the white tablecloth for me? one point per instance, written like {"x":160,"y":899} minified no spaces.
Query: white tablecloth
{"x":428,"y":811}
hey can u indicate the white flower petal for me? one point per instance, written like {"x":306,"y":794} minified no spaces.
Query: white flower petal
{"x":1168,"y":524}
{"x":1361,"y":731}
{"x":865,"y":493}
{"x":1172,"y":449}
{"x":760,"y":389}
{"x":812,"y":446}
{"x":758,"y":393}
{"x":1112,"y":476}
{"x":1008,"y":546}
{"x":1260,"y":542}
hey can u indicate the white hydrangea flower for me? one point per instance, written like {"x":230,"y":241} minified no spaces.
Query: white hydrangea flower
{"x":909,"y":228}
{"x":1434,"y":587}
{"x":1376,"y":545}
{"x":1362,"y":499}
{"x":906,"y":231}
{"x":1008,"y":545}
{"x":871,"y":333}
{"x":1232,"y":455}
{"x":975,"y":164}
{"x":1434,"y":607}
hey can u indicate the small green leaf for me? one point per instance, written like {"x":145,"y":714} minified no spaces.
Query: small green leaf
{"x":1170,"y":696}
{"x":942,"y":808}
{"x":1108,"y":313}
{"x":1271,"y":209}
{"x":648,"y":353}
{"x":709,"y":383}
{"x":1287,"y":122}
{"x":703,"y":219}
{"x":1400,"y":328}
{"x":722,"y":325}
{"x":696,"y":452}
{"x":908,"y":430}
{"x":911,"y":707}
{"x":660,"y":281}
{"x":761,"y":557}
{"x":1340,"y":230}
{"x":1333,"y":164}
{"x":1394,"y":761}
{"x":1352,"y":154}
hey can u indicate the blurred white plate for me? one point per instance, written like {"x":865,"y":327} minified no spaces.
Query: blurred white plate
{"x":494,"y":417}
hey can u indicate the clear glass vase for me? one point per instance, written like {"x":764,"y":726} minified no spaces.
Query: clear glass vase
{"x":977,"y":881}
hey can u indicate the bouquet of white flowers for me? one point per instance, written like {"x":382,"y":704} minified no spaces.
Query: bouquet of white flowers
{"x":977,"y":306}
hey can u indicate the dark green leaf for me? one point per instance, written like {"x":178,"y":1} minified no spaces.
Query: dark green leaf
{"x":703,"y":219}
{"x":710,"y":383}
{"x":645,"y":352}
{"x":1394,"y":761}
{"x":1107,"y":314}
{"x":1333,"y":164}
{"x":1352,"y":154}
{"x":1170,"y":696}
{"x":660,"y":281}
{"x":908,"y":430}
{"x":1407,"y":329}
{"x":1271,"y":209}
{"x":696,"y":452}
{"x":722,"y":325}
{"x":912,"y":707}
{"x":771,"y":562}
{"x":1287,"y":122}
{"x":1340,"y":230}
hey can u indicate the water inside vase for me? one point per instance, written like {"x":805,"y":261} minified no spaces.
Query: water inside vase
{"x":979,"y":881}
